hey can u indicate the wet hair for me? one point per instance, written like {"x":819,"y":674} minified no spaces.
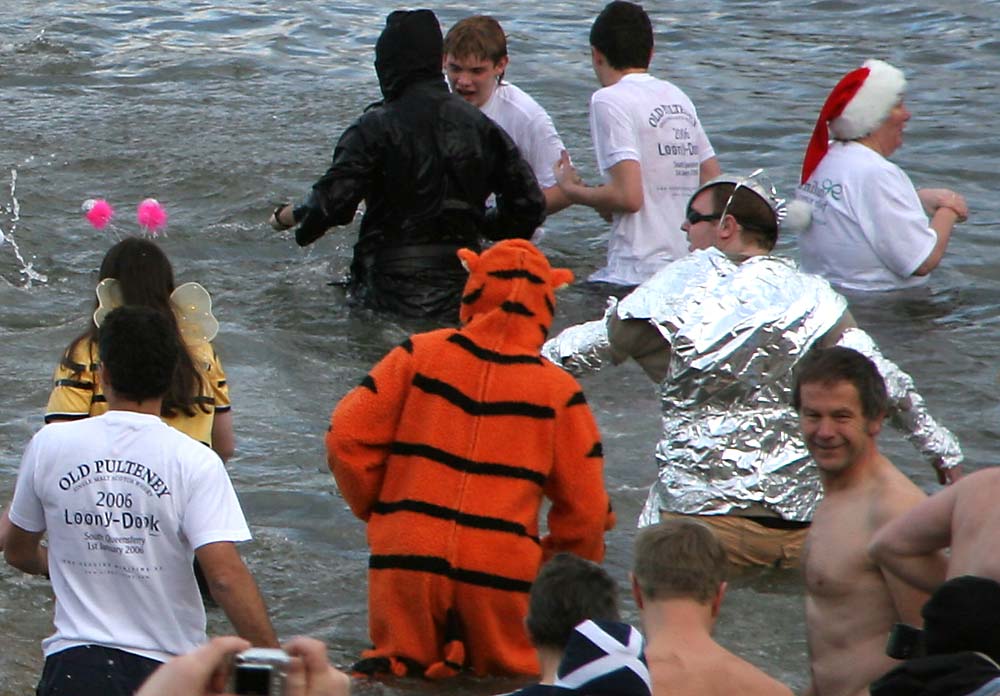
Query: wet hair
{"x":146,"y":279}
{"x":568,"y":591}
{"x":480,"y":37}
{"x":839,"y":364}
{"x":624,"y":34}
{"x":753,"y":213}
{"x":679,"y":559}
{"x":139,"y":350}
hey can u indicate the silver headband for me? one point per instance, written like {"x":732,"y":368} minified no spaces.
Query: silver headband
{"x":757,"y":182}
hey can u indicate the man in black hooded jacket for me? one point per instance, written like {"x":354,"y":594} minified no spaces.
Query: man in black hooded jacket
{"x":424,"y":161}
{"x":960,"y":644}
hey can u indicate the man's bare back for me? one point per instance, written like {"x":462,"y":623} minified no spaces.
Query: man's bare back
{"x":851,"y":603}
{"x":685,"y":665}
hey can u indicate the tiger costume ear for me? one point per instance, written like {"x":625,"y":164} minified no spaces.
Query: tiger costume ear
{"x":560,"y":278}
{"x":469,"y":259}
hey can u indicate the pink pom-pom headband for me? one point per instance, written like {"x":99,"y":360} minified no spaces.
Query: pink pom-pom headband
{"x":98,"y":212}
{"x":151,"y":216}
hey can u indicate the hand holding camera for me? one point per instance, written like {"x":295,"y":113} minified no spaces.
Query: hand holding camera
{"x":228,"y":665}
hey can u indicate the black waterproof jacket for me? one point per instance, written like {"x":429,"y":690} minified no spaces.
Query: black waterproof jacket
{"x":424,"y":161}
{"x":955,"y":674}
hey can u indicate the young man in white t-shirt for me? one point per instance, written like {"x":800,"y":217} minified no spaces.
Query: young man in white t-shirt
{"x":128,"y":502}
{"x":650,"y":147}
{"x":475,"y":58}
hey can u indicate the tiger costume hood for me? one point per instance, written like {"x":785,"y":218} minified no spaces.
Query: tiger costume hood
{"x":510,"y":294}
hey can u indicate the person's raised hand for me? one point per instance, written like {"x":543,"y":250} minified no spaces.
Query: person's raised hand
{"x":565,"y":172}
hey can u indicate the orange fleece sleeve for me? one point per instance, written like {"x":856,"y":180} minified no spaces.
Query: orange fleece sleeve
{"x":581,"y":510}
{"x":363,"y":428}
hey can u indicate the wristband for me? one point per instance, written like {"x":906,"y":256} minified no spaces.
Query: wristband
{"x":277,"y":219}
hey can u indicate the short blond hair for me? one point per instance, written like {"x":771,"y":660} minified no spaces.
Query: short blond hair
{"x":479,"y":37}
{"x":679,"y":558}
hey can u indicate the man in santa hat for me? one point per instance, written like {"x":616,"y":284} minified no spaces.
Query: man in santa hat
{"x":871,"y":229}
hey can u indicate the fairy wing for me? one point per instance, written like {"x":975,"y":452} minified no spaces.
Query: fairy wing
{"x":193,"y":308}
{"x":109,"y":296}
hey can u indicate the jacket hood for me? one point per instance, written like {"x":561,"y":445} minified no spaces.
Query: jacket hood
{"x":953,"y":674}
{"x":408,"y":50}
{"x":512,"y":284}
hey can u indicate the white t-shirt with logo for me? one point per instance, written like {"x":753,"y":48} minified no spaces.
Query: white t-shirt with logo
{"x":529,"y":126}
{"x":649,"y":120}
{"x":125,"y":500}
{"x":869,"y":230}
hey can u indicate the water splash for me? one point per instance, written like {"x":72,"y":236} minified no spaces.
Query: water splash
{"x":13,"y":213}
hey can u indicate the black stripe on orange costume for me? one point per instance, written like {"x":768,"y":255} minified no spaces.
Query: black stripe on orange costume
{"x":447,"y":449}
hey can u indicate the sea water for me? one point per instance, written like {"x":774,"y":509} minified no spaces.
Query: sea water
{"x":220,"y":110}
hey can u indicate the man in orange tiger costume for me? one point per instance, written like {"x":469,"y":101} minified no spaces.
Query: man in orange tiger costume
{"x":446,"y":450}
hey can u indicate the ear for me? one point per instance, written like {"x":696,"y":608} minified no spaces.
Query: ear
{"x":717,"y":600}
{"x":729,"y":228}
{"x":636,"y":592}
{"x":469,"y":259}
{"x":560,"y":278}
{"x":502,"y":63}
{"x":104,"y":379}
{"x":875,"y":425}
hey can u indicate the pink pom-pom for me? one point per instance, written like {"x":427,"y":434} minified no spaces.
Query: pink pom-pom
{"x":151,"y":215}
{"x":98,"y":212}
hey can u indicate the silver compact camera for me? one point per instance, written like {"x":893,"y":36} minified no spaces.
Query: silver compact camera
{"x":259,"y":672}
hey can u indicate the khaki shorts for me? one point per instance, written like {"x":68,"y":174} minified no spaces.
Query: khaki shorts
{"x":749,"y":543}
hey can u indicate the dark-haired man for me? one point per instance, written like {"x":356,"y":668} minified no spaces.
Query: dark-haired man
{"x":678,"y":581}
{"x":650,"y":147}
{"x":128,"y":502}
{"x":851,"y":600}
{"x":567,"y":591}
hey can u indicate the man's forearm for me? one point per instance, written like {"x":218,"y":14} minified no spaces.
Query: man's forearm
{"x":33,"y":563}
{"x":240,"y":598}
{"x":24,"y":551}
{"x":603,"y":197}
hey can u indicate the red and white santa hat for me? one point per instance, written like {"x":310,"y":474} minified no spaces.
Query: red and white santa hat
{"x":856,"y":106}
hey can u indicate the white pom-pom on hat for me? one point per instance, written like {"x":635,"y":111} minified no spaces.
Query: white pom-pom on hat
{"x":798,"y":216}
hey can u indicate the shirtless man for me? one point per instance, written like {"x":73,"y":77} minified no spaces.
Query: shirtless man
{"x":678,"y":581}
{"x":964,"y":517}
{"x":851,"y":601}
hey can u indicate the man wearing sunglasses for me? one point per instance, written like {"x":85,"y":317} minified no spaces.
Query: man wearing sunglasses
{"x":721,"y":332}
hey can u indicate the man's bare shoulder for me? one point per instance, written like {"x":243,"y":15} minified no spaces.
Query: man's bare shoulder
{"x":750,"y":680}
{"x":713,"y":672}
{"x":892,"y":494}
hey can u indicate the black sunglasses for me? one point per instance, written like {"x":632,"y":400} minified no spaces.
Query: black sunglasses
{"x":694,"y":217}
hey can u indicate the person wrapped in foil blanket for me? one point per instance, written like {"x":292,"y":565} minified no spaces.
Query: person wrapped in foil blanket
{"x":721,"y":331}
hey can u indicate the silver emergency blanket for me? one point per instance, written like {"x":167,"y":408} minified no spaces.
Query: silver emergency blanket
{"x":907,"y":410}
{"x":734,"y":331}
